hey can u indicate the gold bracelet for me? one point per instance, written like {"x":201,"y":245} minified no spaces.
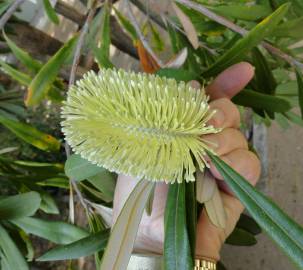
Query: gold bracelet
{"x":205,"y":264}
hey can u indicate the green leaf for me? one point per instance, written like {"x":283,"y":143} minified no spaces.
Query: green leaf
{"x":294,"y":118}
{"x":253,"y":99}
{"x":48,"y":204}
{"x":50,"y":11}
{"x":240,"y":237}
{"x":191,"y":214}
{"x":248,"y":224}
{"x":156,"y":39}
{"x":105,"y":182}
{"x":18,"y":206}
{"x":31,"y":135}
{"x":284,"y":231}
{"x":291,"y":28}
{"x":242,"y":12}
{"x":55,"y":231}
{"x":300,"y":90}
{"x":13,"y":257}
{"x":81,"y":248}
{"x":105,"y":30}
{"x":126,"y":25}
{"x":264,"y":78}
{"x":177,"y":74}
{"x":124,"y":232}
{"x":59,"y":182}
{"x":78,"y":168}
{"x":250,"y":40}
{"x":176,"y":240}
{"x":4,"y":6}
{"x":23,"y":56}
{"x":102,"y":59}
{"x":42,"y":82}
{"x":15,"y":74}
{"x":102,"y":53}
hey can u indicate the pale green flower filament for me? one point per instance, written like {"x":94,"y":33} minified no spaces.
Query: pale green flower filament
{"x":138,"y":124}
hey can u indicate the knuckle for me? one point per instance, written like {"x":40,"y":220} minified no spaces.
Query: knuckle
{"x":254,"y":168}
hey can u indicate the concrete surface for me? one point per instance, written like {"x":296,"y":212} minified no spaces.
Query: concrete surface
{"x":285,"y":186}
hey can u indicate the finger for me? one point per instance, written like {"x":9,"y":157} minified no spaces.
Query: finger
{"x":226,"y":141}
{"x":231,"y":81}
{"x":244,"y":162}
{"x":195,"y":84}
{"x":227,"y":114}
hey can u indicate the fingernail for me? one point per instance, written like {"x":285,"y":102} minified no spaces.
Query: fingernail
{"x":218,"y":118}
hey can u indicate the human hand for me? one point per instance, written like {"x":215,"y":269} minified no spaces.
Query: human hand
{"x":231,"y":147}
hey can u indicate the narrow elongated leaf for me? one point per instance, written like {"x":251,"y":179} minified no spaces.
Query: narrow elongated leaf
{"x":191,"y":215}
{"x":265,"y":80}
{"x":300,"y":90}
{"x":177,"y":60}
{"x":80,"y":169}
{"x":177,"y":74}
{"x":188,"y":27}
{"x":176,"y":240}
{"x":81,"y":248}
{"x":156,"y":39}
{"x":296,"y":119}
{"x":18,"y":206}
{"x":23,"y":56}
{"x":215,"y":209}
{"x":291,"y":28}
{"x":243,"y":12}
{"x":31,"y":135}
{"x":205,"y":186}
{"x":4,"y":6}
{"x":48,"y":204}
{"x":248,"y":224}
{"x":55,"y":231}
{"x":105,"y":182}
{"x":123,"y":235}
{"x":250,"y":40}
{"x":126,"y":24}
{"x":240,"y":237}
{"x":42,"y":82}
{"x":253,"y":99}
{"x":284,"y":231}
{"x":13,"y":257}
{"x":50,"y":11}
{"x":102,"y":53}
{"x":15,"y":74}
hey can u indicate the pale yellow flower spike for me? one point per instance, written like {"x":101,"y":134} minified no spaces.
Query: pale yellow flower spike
{"x":138,"y":124}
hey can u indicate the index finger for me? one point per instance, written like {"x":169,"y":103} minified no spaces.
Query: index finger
{"x":231,"y":81}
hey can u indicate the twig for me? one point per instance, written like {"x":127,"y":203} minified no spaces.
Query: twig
{"x":227,"y":23}
{"x":154,"y":16}
{"x":79,"y":46}
{"x":76,"y":59}
{"x":141,"y":36}
{"x":13,"y":7}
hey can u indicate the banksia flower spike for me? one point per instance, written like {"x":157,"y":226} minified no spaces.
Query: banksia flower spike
{"x":138,"y":124}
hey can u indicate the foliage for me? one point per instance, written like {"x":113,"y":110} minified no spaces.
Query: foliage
{"x":267,"y":34}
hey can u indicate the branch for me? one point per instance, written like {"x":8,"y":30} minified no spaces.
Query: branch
{"x":229,"y":24}
{"x":141,"y":36}
{"x":79,"y":46}
{"x":10,"y":11}
{"x":154,"y":16}
{"x":76,"y":59}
